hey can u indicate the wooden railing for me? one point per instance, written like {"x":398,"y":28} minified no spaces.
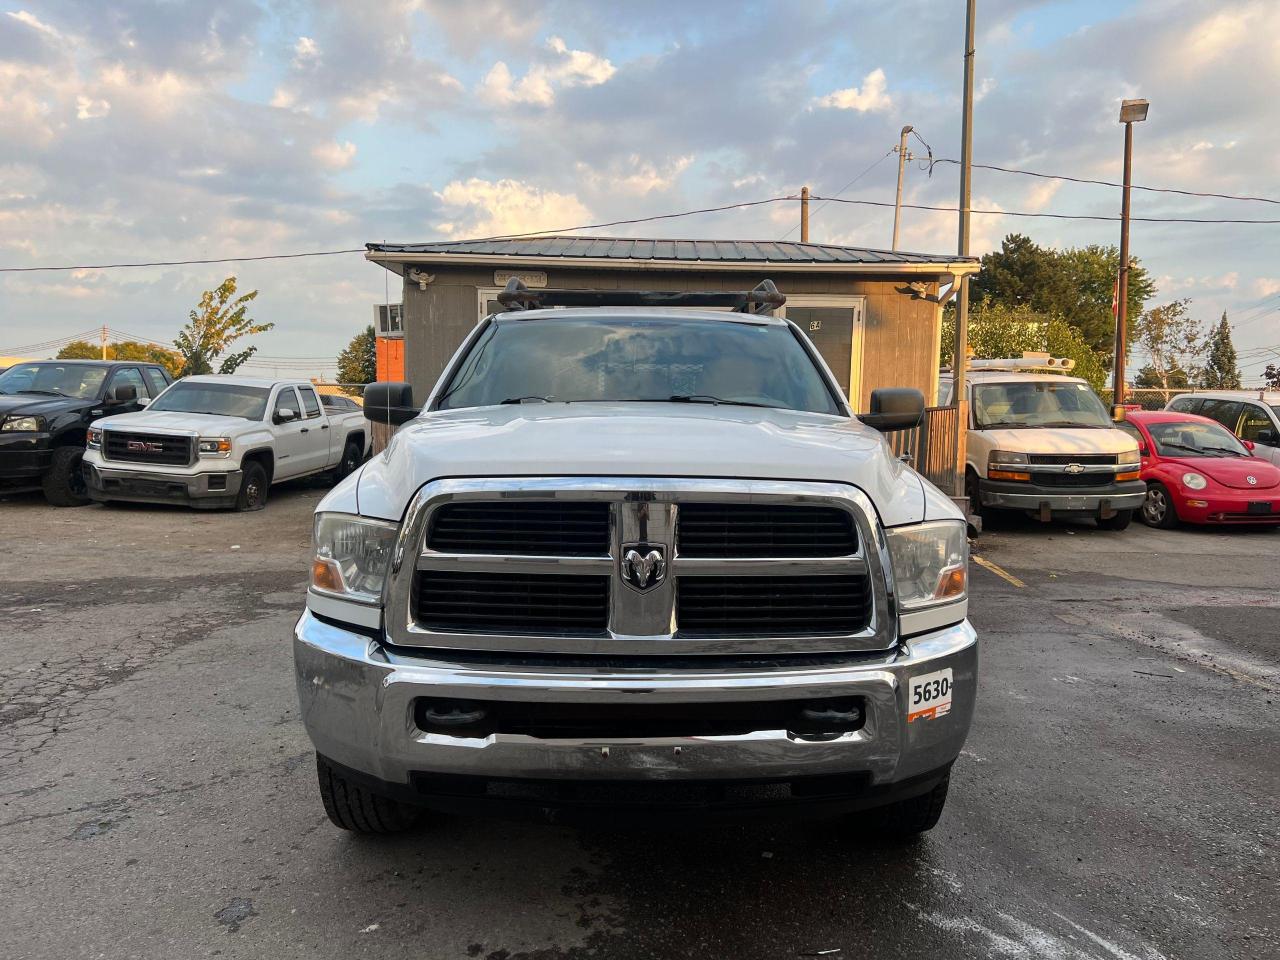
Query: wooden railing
{"x":931,"y":446}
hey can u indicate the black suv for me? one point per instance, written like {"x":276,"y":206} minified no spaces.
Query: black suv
{"x":46,"y":407}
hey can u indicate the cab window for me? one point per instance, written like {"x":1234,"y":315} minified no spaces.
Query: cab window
{"x":1254,"y":422}
{"x":1226,"y":412}
{"x":155,"y":380}
{"x":286,"y":399}
{"x":1186,"y":404}
{"x":129,"y":376}
{"x":309,"y":402}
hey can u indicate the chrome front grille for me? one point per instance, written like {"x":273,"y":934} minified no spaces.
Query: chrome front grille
{"x":580,"y":565}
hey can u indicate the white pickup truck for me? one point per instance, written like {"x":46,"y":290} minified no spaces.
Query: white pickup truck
{"x":637,"y":560}
{"x":221,"y":441}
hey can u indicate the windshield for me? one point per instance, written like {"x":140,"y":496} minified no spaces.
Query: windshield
{"x":1194,"y":439}
{"x":1038,"y":403}
{"x":610,"y":359}
{"x":78,"y":380}
{"x":217,"y":399}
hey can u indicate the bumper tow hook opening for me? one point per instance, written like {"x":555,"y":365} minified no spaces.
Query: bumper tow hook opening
{"x":450,"y":714}
{"x":828,"y":719}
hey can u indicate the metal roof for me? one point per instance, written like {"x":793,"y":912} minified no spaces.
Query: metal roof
{"x":676,"y":252}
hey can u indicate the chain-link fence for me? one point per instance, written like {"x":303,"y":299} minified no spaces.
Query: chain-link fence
{"x":1149,"y":398}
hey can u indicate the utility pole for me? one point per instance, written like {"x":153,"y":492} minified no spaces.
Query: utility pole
{"x":1131,"y":112}
{"x":960,"y":352}
{"x":804,"y":214}
{"x":903,"y":157}
{"x":104,"y":341}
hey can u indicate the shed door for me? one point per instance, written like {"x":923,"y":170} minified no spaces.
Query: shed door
{"x":834,"y":324}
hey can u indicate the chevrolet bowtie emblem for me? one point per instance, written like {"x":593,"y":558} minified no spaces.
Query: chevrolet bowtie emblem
{"x":643,"y":565}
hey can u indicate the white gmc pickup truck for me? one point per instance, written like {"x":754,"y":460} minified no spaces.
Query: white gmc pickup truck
{"x":636,"y":559}
{"x":221,"y":441}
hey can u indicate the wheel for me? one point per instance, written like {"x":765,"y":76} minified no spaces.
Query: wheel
{"x":991,"y":517}
{"x":64,"y":484}
{"x":351,"y":455}
{"x":355,"y":808}
{"x":1118,"y":522}
{"x":254,"y":487}
{"x":907,"y":819}
{"x":1157,"y":509}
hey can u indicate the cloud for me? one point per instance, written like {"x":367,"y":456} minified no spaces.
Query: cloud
{"x":635,"y":176}
{"x":87,"y":108}
{"x":870,"y":97}
{"x":35,"y":23}
{"x":477,"y":207}
{"x":567,"y":68}
{"x":334,"y":155}
{"x":305,"y":52}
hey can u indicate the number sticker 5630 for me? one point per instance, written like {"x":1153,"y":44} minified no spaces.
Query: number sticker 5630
{"x":929,"y":695}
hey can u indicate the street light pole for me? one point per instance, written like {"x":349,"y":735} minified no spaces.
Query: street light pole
{"x":960,"y":350}
{"x":902,"y":163}
{"x":804,"y":214}
{"x":1131,"y":112}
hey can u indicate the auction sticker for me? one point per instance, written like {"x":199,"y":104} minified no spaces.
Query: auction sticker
{"x":930,"y":696}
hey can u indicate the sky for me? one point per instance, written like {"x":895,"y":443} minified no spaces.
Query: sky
{"x":144,"y":130}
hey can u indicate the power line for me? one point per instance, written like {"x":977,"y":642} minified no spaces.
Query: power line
{"x":183,"y":263}
{"x":874,"y":164}
{"x":1050,"y":216}
{"x":1110,"y":183}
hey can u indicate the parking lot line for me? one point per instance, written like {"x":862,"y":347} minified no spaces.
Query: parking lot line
{"x":997,"y":570}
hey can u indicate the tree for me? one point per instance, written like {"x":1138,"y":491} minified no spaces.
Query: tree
{"x":1000,"y":330}
{"x":1272,"y":376}
{"x":218,"y":322}
{"x":358,"y":363}
{"x":124,"y":350}
{"x":1171,"y":337}
{"x":1077,"y":284}
{"x":1220,"y":371}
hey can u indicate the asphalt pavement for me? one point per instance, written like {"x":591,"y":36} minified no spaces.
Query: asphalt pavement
{"x":1116,"y":801}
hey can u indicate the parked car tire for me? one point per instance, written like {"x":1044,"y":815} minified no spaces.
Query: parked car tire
{"x":907,"y":819}
{"x":1157,"y":509}
{"x":1119,"y":521}
{"x":355,"y":808}
{"x":254,"y":487}
{"x":352,"y":453}
{"x":64,"y":484}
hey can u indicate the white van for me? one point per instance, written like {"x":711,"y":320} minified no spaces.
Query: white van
{"x":1042,"y":443}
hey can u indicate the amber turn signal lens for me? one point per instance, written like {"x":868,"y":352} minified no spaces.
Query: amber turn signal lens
{"x":1007,"y":475}
{"x":951,"y":583}
{"x":325,"y":575}
{"x":1131,"y":475}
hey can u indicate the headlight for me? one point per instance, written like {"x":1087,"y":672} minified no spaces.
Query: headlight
{"x":95,"y":438}
{"x":352,"y":556}
{"x":1128,"y":456}
{"x":1194,"y":481}
{"x":1007,"y":456}
{"x":24,"y":424}
{"x":930,"y":562}
{"x":215,"y":447}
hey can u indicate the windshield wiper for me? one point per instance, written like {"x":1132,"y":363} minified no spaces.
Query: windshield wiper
{"x":47,"y":393}
{"x":1005,"y":425}
{"x":533,"y":397}
{"x":717,"y":401}
{"x":1182,"y":446}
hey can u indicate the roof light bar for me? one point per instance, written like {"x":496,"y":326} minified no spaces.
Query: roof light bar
{"x":1028,"y":361}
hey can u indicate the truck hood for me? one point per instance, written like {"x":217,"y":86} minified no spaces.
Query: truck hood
{"x":1061,"y":440}
{"x":640,"y":439}
{"x":38,"y":404}
{"x":188,"y":424}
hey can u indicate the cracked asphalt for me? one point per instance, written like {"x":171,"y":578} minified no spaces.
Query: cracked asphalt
{"x":1117,"y":799}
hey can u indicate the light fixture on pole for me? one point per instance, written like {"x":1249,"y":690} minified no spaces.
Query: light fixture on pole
{"x":1131,"y":112}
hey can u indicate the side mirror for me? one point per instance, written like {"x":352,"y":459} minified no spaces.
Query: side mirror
{"x":389,"y":402}
{"x":1267,"y":436}
{"x":1144,"y":450}
{"x":894,"y":408}
{"x":1249,"y":445}
{"x":284,"y":415}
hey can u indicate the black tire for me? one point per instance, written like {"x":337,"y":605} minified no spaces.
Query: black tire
{"x":907,"y":819}
{"x":352,"y":454}
{"x":355,"y":808}
{"x":992,"y":518}
{"x":255,"y":487}
{"x":64,"y":484}
{"x":1120,"y":521}
{"x":1157,"y":509}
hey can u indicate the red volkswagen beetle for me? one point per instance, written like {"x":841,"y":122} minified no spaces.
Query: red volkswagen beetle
{"x":1197,"y":471}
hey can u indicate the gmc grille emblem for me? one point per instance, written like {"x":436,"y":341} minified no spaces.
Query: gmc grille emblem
{"x":145,"y":446}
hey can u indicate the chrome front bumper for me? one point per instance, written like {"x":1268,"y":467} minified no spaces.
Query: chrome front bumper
{"x":358,"y":698}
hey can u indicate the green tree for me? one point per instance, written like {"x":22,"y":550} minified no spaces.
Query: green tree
{"x":1077,"y":284}
{"x":358,"y":363}
{"x":214,"y":326}
{"x":1171,"y":337}
{"x":1220,"y":370}
{"x":1272,"y":376}
{"x":1000,"y":330}
{"x":124,"y":350}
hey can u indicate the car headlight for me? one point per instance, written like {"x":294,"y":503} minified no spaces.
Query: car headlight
{"x":1194,"y":481}
{"x":94,"y":439}
{"x":23,"y":424}
{"x":930,"y":562}
{"x":1007,"y":456}
{"x":215,"y":446}
{"x":352,"y":555}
